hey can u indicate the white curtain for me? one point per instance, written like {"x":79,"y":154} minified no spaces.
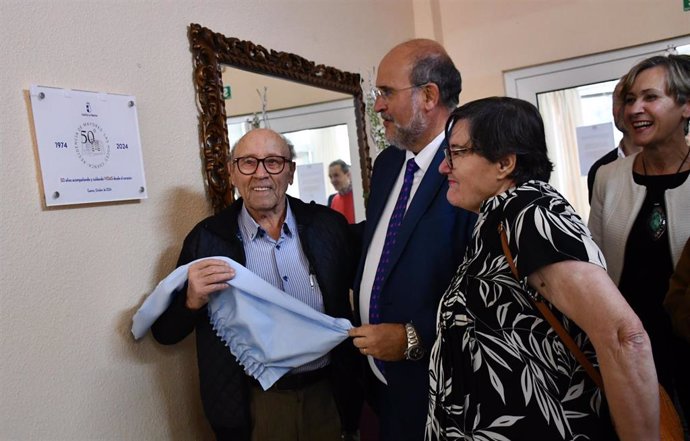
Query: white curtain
{"x":562,"y":113}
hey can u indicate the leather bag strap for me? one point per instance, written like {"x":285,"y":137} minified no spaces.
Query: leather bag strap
{"x":553,"y":321}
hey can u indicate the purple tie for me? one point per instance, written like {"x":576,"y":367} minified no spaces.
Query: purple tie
{"x":391,"y":235}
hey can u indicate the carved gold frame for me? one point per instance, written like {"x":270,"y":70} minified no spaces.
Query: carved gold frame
{"x":210,"y":50}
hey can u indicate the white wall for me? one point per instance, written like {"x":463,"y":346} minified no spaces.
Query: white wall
{"x":487,"y":37}
{"x":71,"y":278}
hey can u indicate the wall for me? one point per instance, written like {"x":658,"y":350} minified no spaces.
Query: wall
{"x":487,"y":37}
{"x":280,"y":93}
{"x":72,"y":277}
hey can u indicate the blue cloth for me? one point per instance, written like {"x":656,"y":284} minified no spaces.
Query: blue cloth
{"x":268,"y":331}
{"x":283,"y":264}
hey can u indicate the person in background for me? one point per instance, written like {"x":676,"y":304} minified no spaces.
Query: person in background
{"x":641,"y":207}
{"x":411,"y":238}
{"x":342,"y":201}
{"x":625,"y":146}
{"x":498,"y":371}
{"x":303,"y":249}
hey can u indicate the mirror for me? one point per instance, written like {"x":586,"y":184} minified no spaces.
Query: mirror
{"x":212,"y":54}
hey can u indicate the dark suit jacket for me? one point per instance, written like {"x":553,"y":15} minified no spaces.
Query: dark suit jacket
{"x":429,"y":247}
{"x":609,"y":157}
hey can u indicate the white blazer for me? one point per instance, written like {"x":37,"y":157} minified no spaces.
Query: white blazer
{"x":617,"y":200}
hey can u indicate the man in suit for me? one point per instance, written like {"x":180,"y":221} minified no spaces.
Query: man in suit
{"x":400,"y":281}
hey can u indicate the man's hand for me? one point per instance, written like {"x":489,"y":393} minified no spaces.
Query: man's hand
{"x":205,"y":278}
{"x":385,"y":341}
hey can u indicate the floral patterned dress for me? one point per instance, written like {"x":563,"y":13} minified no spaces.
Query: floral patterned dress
{"x":498,"y":371}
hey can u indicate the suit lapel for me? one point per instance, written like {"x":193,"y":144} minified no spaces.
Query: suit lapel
{"x":425,"y":195}
{"x":377,"y":200}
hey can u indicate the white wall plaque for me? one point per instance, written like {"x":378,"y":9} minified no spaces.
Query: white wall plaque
{"x":88,"y":146}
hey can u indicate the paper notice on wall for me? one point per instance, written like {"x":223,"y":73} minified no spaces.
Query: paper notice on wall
{"x":311,"y":183}
{"x":593,"y":142}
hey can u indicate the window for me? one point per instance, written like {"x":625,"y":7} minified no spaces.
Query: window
{"x":574,"y":94}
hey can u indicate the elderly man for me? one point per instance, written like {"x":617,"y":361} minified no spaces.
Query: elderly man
{"x":302,"y":249}
{"x":413,"y":238}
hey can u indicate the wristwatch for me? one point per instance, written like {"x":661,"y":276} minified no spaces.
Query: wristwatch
{"x":414,"y":350}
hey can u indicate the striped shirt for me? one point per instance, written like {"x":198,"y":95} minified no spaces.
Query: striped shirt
{"x":284,"y":265}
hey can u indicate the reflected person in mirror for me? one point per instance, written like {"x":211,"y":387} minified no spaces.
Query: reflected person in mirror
{"x":341,"y":180}
{"x":302,"y":249}
{"x":412,"y":238}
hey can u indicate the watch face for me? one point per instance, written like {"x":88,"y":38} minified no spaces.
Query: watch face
{"x":415,"y":353}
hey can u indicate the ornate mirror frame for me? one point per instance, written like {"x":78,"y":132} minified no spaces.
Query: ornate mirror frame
{"x":210,"y":50}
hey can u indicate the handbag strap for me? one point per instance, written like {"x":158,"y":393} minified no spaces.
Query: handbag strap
{"x":553,"y":321}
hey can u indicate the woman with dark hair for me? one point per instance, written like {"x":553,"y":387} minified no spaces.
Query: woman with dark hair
{"x":640,"y":214}
{"x":498,"y":371}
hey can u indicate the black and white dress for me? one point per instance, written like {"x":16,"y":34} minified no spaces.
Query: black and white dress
{"x":498,"y":371}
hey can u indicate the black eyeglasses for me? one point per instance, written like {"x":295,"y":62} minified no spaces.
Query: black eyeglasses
{"x":387,"y":92}
{"x":449,"y":152}
{"x":247,"y":165}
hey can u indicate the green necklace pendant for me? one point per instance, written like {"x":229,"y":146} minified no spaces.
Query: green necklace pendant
{"x":656,"y":222}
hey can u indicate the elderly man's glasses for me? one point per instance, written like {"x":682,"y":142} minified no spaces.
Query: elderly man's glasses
{"x":453,"y":151}
{"x":247,"y":165}
{"x":387,"y":92}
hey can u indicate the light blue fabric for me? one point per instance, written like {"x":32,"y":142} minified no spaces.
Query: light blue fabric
{"x":268,"y":331}
{"x":283,"y":264}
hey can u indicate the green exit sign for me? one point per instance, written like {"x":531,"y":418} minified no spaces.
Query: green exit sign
{"x":227,"y":91}
{"x":686,"y":5}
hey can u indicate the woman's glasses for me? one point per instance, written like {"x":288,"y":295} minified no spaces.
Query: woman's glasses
{"x":449,"y":152}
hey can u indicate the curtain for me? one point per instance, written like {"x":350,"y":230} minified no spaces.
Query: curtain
{"x":562,"y":113}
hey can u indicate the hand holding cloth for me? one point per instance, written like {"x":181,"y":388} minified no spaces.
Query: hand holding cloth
{"x":267,"y":330}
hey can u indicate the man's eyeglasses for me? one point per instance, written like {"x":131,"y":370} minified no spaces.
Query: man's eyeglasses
{"x":449,"y":152}
{"x":387,"y":92}
{"x":247,"y":165}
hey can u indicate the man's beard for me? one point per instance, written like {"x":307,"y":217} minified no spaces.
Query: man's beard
{"x":407,"y":137}
{"x":346,"y":190}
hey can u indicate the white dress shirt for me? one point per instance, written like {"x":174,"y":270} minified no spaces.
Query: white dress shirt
{"x":423,"y":160}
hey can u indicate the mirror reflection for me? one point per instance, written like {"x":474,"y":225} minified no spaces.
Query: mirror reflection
{"x":320,"y":108}
{"x":320,"y":124}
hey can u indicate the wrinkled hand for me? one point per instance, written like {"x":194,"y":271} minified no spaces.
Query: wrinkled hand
{"x":385,"y":341}
{"x":205,"y":278}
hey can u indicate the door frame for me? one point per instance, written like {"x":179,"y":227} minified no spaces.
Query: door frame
{"x":526,"y":83}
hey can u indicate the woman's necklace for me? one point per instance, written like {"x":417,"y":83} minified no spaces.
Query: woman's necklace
{"x":656,"y":220}
{"x":644,"y":164}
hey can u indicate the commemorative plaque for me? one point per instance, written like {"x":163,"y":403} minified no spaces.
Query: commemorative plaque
{"x":88,"y":146}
